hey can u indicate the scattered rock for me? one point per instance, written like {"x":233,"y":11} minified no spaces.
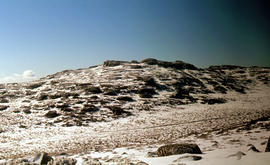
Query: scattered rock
{"x":175,"y":149}
{"x":51,"y":114}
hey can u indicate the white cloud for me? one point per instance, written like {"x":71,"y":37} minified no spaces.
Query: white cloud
{"x":27,"y":75}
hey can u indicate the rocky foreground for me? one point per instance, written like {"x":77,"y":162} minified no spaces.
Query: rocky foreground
{"x":127,"y":104}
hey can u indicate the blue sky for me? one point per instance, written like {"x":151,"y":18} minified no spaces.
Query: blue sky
{"x":47,"y":36}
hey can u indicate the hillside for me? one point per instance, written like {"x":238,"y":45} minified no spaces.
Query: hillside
{"x":128,"y":104}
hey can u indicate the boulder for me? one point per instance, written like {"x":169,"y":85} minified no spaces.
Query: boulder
{"x":51,"y":114}
{"x":42,"y":158}
{"x":175,"y":149}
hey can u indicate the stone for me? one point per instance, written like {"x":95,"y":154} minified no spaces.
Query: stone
{"x":63,"y":161}
{"x":3,"y":107}
{"x":42,"y":158}
{"x":253,"y":148}
{"x":175,"y":149}
{"x":51,"y":114}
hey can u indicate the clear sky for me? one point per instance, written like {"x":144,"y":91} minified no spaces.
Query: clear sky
{"x":40,"y":37}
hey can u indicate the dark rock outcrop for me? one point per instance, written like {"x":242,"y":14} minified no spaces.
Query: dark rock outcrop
{"x":176,"y":65}
{"x":111,"y":63}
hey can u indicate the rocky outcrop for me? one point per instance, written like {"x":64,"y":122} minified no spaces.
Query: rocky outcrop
{"x":176,"y":65}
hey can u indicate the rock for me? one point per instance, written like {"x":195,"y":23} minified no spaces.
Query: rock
{"x":238,"y":155}
{"x":4,"y":100}
{"x":42,"y":96}
{"x":27,"y":111}
{"x":42,"y":158}
{"x":3,"y":107}
{"x":63,"y":161}
{"x":34,"y":85}
{"x":51,"y":114}
{"x":124,"y":98}
{"x":18,"y":162}
{"x":94,"y":90}
{"x":118,"y":110}
{"x":111,"y":93}
{"x":165,"y":64}
{"x":141,"y":163}
{"x":175,"y":149}
{"x":152,"y":154}
{"x":90,"y":161}
{"x":146,"y":92}
{"x":89,"y":108}
{"x":214,"y":101}
{"x":253,"y":148}
{"x":150,"y":61}
{"x":267,"y":149}
{"x":220,"y":89}
{"x":111,"y":63}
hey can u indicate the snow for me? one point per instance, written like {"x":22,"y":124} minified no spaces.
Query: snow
{"x":144,"y":130}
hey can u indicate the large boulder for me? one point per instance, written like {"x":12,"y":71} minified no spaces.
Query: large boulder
{"x":175,"y":149}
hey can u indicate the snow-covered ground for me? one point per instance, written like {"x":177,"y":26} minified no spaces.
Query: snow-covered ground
{"x":143,"y":123}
